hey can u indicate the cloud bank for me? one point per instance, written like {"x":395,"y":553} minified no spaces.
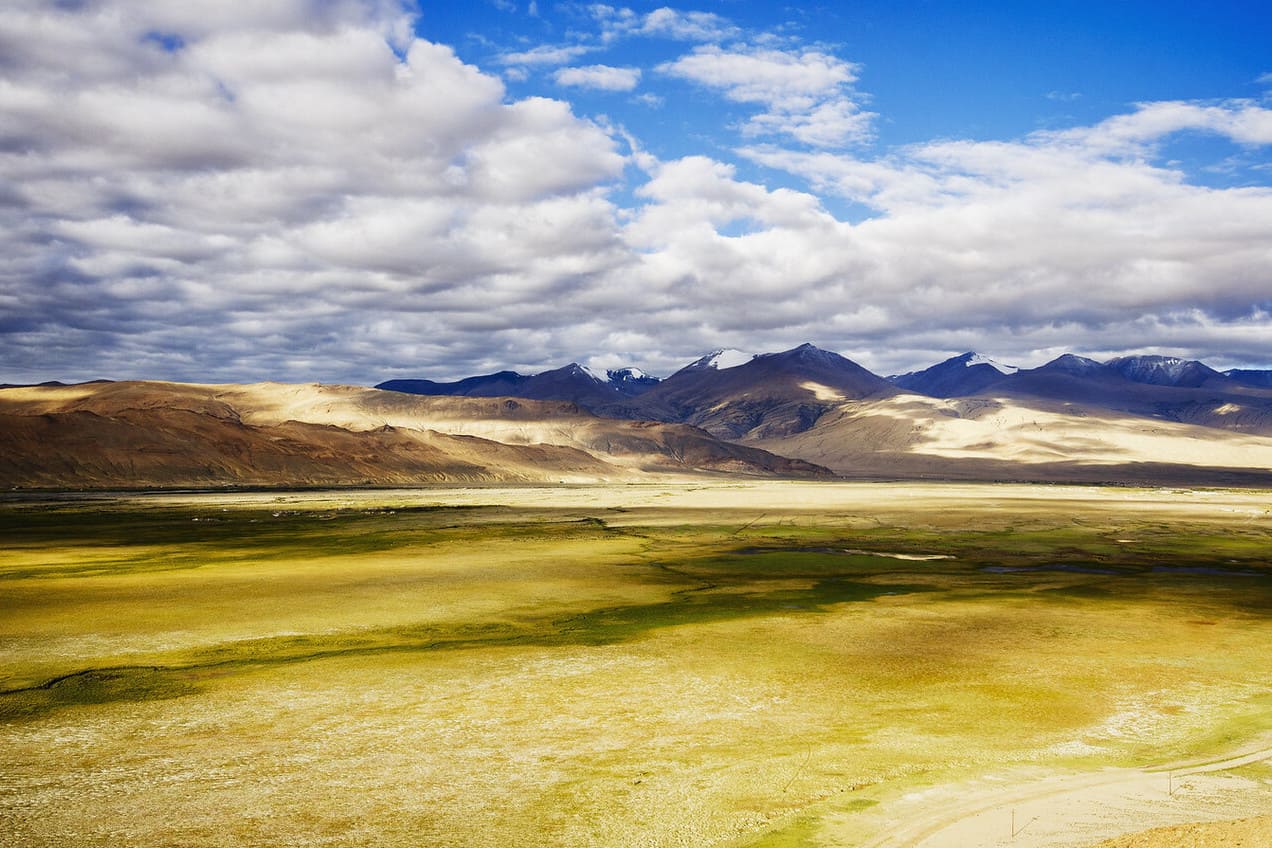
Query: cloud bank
{"x":309,"y":191}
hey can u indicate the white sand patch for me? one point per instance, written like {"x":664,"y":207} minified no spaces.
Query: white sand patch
{"x":913,"y":557}
{"x":1002,"y":429}
{"x":821,"y":392}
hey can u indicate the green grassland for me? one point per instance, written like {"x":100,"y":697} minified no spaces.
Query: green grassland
{"x":618,"y":668}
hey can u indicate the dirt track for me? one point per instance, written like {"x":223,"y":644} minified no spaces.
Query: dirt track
{"x":1078,"y":810}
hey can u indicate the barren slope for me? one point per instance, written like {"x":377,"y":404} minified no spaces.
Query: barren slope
{"x":165,"y":434}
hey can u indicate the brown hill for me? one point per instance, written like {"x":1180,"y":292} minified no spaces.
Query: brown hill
{"x":143,"y":434}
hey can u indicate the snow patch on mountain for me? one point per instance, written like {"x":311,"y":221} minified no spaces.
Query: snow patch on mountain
{"x":589,"y":372}
{"x":629,"y":375}
{"x":1163,"y":370}
{"x":1072,"y":364}
{"x":979,"y":359}
{"x":725,"y":358}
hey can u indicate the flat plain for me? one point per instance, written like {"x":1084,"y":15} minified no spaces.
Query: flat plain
{"x":665,"y":664}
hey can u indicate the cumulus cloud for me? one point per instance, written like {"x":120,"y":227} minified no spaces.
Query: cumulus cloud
{"x":1070,"y":229}
{"x":306,"y":190}
{"x":603,"y":77}
{"x":805,"y":94}
{"x":267,"y":194}
{"x":665,"y":22}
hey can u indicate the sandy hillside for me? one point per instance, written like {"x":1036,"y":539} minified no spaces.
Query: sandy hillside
{"x":1006,"y":438}
{"x":169,"y":434}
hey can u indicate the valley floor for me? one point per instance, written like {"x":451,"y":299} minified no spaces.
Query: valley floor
{"x":706,"y":663}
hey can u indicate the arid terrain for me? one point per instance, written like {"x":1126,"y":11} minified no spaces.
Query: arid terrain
{"x":171,"y":435}
{"x":142,"y":434}
{"x":718,"y":662}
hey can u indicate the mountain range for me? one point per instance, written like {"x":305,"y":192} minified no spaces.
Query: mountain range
{"x":801,"y":412}
{"x":1132,"y":419}
{"x":748,"y":398}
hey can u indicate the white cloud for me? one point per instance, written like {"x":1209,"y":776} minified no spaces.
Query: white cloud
{"x":686,"y":26}
{"x":664,"y":22}
{"x":764,"y":76}
{"x":599,"y":76}
{"x":282,"y":195}
{"x":1242,"y":121}
{"x":546,"y":54}
{"x":289,"y":173}
{"x":806,"y":94}
{"x":1058,"y":230}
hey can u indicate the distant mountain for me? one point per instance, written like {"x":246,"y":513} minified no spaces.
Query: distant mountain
{"x":719,"y":360}
{"x":1247,"y":377}
{"x":743,"y":397}
{"x":1164,"y":371}
{"x":574,"y":383}
{"x":1068,"y":363}
{"x":973,"y":373}
{"x":727,"y":392}
{"x":960,"y":375}
{"x":632,"y":381}
{"x":769,"y":394}
{"x":1156,"y":387}
{"x":499,"y":384}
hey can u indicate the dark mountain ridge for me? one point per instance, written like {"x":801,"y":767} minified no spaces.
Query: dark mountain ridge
{"x":961,"y":375}
{"x":772,"y":394}
{"x":737,"y":397}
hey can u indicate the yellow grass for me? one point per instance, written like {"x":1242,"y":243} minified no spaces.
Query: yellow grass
{"x":619,"y":666}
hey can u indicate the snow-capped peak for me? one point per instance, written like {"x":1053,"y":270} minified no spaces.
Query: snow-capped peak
{"x":589,"y":372}
{"x":1162,"y":370}
{"x":724,"y":358}
{"x":629,"y":373}
{"x":971,"y":359}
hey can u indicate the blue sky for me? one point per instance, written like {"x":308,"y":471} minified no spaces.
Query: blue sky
{"x":931,"y":69}
{"x":352,"y":190}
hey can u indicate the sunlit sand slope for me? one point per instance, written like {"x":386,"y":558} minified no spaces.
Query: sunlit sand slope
{"x":1010,"y":439}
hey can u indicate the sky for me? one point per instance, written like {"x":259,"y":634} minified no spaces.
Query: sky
{"x":349,"y":191}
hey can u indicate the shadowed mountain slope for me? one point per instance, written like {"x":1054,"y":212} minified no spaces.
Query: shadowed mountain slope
{"x":1190,"y":393}
{"x":1250,"y":377}
{"x":960,"y":375}
{"x":572,"y":383}
{"x":1154,"y":387}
